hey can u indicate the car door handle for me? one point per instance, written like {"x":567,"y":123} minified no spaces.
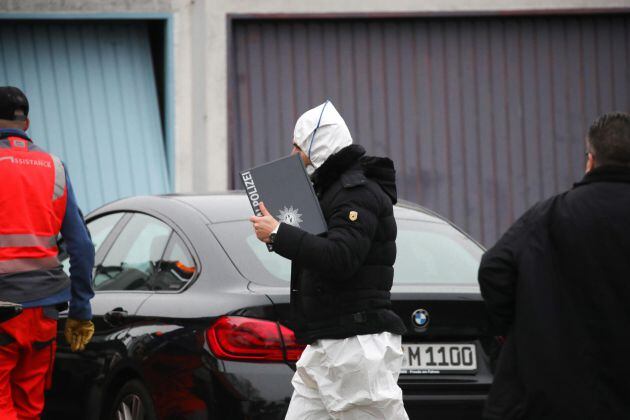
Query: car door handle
{"x":116,"y":316}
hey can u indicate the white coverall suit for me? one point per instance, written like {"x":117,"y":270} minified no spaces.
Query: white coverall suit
{"x":355,"y":378}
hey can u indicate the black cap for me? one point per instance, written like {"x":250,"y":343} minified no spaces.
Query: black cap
{"x":12,"y":99}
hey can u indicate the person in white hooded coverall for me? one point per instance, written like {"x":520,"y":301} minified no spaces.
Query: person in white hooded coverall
{"x":340,"y":281}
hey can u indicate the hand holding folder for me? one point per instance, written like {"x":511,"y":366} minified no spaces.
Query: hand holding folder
{"x":287,"y":192}
{"x":265,"y":224}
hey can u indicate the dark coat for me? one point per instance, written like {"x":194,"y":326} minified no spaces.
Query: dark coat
{"x":558,"y":285}
{"x":341,"y":281}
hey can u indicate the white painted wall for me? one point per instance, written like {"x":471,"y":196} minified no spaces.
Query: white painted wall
{"x":200,"y":54}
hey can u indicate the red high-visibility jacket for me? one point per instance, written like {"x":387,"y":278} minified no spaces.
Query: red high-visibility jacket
{"x":32,"y":208}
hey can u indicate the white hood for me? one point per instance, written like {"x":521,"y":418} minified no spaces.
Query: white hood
{"x":331,"y":133}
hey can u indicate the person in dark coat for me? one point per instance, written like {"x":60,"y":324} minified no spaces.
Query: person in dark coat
{"x":341,"y":281}
{"x":557,"y":285}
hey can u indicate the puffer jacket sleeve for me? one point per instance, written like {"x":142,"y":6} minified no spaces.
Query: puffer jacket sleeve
{"x":345,"y":247}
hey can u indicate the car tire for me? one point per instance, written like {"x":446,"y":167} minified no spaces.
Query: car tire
{"x":132,"y":402}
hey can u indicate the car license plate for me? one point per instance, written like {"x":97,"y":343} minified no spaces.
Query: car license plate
{"x":434,"y":359}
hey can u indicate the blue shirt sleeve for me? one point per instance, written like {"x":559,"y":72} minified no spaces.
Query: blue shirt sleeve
{"x":81,"y":251}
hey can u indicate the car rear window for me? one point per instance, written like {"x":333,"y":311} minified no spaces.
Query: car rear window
{"x":434,"y":253}
{"x":428,"y":253}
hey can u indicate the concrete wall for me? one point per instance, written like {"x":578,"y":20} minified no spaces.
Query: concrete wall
{"x":200,"y":53}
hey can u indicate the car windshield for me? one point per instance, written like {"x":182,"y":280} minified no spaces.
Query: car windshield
{"x":428,"y":253}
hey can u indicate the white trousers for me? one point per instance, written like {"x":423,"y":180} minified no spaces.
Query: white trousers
{"x":351,"y":379}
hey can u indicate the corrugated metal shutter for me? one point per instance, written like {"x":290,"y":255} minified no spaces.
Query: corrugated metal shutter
{"x":93,"y":101}
{"x":483,"y":116}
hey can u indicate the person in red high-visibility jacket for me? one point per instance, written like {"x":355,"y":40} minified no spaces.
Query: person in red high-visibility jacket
{"x":37,"y":204}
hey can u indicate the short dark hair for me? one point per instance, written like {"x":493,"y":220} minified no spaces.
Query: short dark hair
{"x":609,"y":139}
{"x":13,"y":104}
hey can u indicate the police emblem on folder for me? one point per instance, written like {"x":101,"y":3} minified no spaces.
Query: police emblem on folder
{"x":287,"y":192}
{"x":290,"y":216}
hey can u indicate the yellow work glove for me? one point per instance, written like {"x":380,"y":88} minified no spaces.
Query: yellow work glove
{"x":78,"y":333}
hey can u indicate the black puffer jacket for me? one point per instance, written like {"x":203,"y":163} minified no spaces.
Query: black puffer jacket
{"x":341,"y":281}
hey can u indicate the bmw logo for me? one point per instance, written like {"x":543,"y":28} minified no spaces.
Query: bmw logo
{"x":420,"y":318}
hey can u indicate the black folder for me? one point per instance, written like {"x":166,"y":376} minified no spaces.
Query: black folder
{"x":287,"y":192}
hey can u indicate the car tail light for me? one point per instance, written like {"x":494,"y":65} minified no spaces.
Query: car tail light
{"x":254,"y":340}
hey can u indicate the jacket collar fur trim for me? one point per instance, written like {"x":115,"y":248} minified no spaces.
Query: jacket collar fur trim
{"x":338,"y":163}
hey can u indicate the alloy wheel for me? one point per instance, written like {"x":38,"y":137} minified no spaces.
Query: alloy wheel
{"x":130,"y":408}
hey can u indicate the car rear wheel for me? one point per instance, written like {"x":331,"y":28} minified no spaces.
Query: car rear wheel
{"x":132,"y":402}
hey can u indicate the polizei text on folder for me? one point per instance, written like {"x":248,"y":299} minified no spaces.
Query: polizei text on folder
{"x":252,"y":192}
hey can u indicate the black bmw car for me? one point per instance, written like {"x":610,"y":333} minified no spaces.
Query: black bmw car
{"x":192,"y":317}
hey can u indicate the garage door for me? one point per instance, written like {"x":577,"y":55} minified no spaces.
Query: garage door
{"x":483,"y":116}
{"x":93,"y":102}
